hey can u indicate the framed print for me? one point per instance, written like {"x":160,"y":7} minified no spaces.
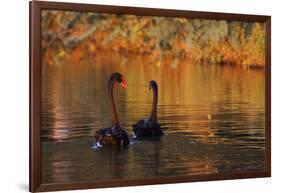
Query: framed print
{"x":123,"y":96}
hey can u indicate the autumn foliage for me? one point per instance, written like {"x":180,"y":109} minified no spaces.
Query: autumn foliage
{"x":78,"y":35}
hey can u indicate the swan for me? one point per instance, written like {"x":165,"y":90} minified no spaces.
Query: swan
{"x":113,"y":135}
{"x":149,"y":127}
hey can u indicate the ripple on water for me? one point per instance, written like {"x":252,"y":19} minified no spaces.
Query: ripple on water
{"x":213,"y":122}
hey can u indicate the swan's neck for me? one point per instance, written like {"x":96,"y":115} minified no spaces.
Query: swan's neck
{"x":115,"y":121}
{"x":153,"y":115}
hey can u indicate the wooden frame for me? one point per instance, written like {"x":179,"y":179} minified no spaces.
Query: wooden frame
{"x":35,"y":91}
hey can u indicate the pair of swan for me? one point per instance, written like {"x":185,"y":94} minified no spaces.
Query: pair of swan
{"x":115,"y":135}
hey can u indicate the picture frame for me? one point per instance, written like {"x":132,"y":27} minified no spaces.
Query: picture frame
{"x":35,"y":176}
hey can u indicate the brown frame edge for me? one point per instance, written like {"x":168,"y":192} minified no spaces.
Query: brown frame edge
{"x":35,"y":7}
{"x":35,"y":96}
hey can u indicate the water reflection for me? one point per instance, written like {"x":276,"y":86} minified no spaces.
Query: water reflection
{"x":213,"y":119}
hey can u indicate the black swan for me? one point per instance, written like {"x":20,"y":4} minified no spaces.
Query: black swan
{"x":149,"y":127}
{"x":114,"y":135}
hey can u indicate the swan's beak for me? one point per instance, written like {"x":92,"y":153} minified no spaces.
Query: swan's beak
{"x":123,"y":83}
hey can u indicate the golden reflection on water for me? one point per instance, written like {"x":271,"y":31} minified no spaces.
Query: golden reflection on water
{"x":190,"y":96}
{"x":205,"y":110}
{"x":190,"y":92}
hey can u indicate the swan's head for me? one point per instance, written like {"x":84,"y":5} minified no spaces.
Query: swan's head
{"x":152,"y":84}
{"x":119,"y":78}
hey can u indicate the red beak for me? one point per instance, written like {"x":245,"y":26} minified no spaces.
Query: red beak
{"x":123,"y":83}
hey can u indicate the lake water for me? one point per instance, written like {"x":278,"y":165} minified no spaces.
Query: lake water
{"x":213,"y":118}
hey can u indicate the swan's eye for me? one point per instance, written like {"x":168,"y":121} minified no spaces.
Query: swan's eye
{"x":123,"y":83}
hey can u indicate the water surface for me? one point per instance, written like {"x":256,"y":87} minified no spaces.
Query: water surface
{"x":212,"y":117}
